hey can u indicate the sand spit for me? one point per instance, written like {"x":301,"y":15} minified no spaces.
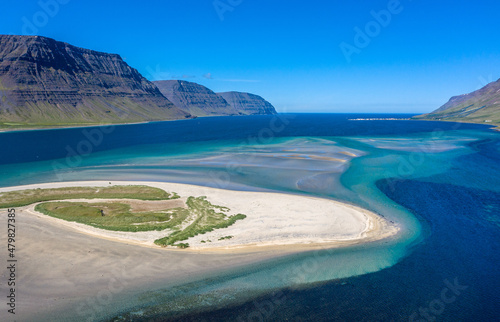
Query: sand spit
{"x":273,"y":219}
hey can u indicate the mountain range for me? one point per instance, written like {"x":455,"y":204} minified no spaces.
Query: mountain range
{"x":44,"y":82}
{"x":194,"y":98}
{"x":199,"y":100}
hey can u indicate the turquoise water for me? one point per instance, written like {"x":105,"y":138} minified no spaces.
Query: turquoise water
{"x":385,"y":166}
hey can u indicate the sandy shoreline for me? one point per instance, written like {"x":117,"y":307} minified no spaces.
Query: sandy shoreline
{"x":68,"y":273}
{"x":274,"y":220}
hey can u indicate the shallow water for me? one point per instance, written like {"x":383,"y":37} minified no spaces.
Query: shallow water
{"x":408,"y":171}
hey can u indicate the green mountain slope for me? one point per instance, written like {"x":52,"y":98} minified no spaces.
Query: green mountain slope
{"x":481,"y":106}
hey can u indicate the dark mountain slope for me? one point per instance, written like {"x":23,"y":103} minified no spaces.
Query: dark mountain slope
{"x":248,"y":104}
{"x":194,"y":98}
{"x":47,"y":82}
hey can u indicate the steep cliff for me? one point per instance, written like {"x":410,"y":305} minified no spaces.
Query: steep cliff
{"x":194,"y":98}
{"x":44,"y":81}
{"x":248,"y":104}
{"x":481,"y":106}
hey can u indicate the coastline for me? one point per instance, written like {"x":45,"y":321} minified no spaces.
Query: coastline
{"x":66,"y":127}
{"x":77,"y":126}
{"x":493,"y":126}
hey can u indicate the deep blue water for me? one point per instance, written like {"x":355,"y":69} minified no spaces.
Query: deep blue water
{"x":27,"y":146}
{"x":461,"y":248}
{"x":439,"y":179}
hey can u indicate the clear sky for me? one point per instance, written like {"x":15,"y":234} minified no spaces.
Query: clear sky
{"x":303,"y":56}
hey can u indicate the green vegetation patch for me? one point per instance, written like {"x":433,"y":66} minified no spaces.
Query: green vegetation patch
{"x":114,"y":215}
{"x":207,"y":217}
{"x":199,"y":217}
{"x":27,"y":197}
{"x":182,"y":245}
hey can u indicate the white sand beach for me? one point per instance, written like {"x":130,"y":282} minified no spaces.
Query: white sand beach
{"x":273,"y":219}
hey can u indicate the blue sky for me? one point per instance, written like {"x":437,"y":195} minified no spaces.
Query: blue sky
{"x":303,"y":56}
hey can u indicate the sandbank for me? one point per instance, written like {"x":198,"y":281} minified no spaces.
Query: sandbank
{"x":273,"y":219}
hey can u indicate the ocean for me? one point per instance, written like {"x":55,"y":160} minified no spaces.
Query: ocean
{"x":439,"y":181}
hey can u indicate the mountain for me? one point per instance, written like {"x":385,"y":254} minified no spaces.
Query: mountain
{"x":194,"y":98}
{"x":248,"y":104}
{"x":47,"y":82}
{"x":481,"y":106}
{"x":199,"y":100}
